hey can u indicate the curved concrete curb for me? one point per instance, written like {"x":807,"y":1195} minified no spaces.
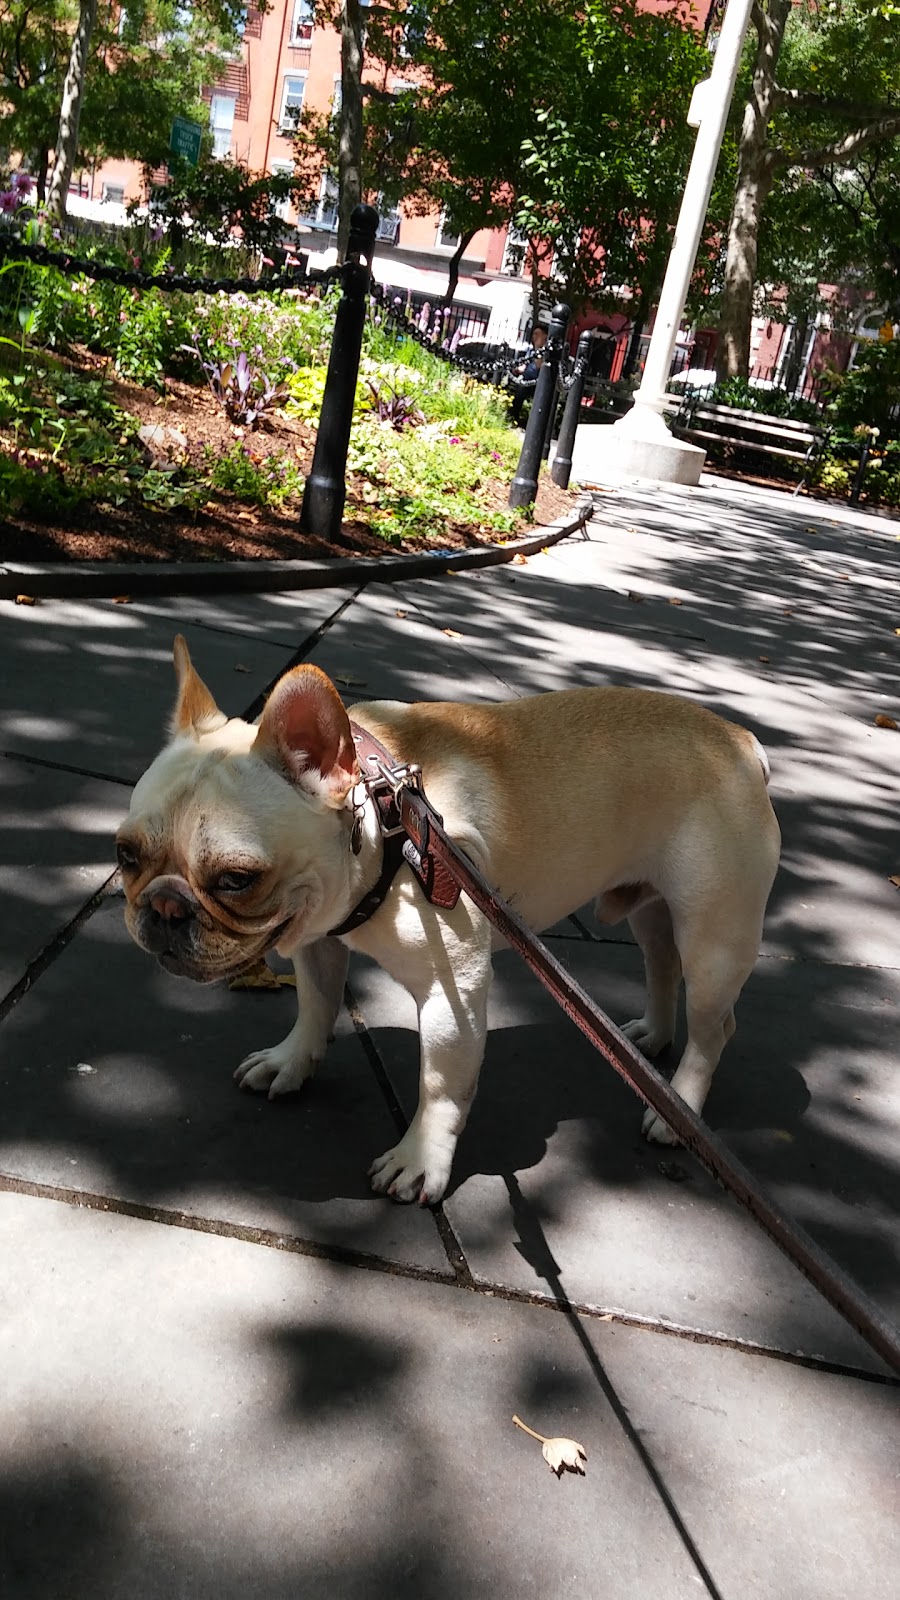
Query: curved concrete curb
{"x":102,"y":580}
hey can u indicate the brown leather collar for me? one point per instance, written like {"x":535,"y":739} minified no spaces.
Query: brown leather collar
{"x":437,"y":883}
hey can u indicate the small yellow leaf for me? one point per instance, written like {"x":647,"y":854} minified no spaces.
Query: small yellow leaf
{"x":25,"y":600}
{"x":261,"y":976}
{"x":403,"y":614}
{"x":895,"y":880}
{"x":881,"y":721}
{"x":121,"y":599}
{"x":674,"y":602}
{"x":451,"y":633}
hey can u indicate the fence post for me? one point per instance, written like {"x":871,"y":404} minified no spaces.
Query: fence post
{"x":871,"y":435}
{"x":323,"y":497}
{"x":524,"y":485}
{"x":562,"y":461}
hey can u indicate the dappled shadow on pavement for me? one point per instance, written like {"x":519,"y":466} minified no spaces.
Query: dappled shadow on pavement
{"x":805,"y":1092}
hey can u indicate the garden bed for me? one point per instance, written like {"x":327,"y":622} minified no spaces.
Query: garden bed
{"x":226,"y":527}
{"x":137,"y":427}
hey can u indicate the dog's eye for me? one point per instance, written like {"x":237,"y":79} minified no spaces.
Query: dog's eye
{"x":235,"y":882}
{"x":127,"y":857}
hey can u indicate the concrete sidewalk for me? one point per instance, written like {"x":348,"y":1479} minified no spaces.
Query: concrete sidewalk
{"x":229,"y":1370}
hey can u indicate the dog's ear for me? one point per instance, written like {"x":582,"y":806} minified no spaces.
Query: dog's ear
{"x":195,"y":709}
{"x":304,"y":731}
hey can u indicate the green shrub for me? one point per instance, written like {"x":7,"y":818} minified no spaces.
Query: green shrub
{"x":263,"y":479}
{"x":745,"y":396}
{"x":285,"y":331}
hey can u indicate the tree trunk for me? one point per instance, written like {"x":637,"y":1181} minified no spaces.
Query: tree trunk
{"x":634,"y":344}
{"x":536,"y":281}
{"x":754,"y":181}
{"x":350,"y":143}
{"x":454,"y":264}
{"x":70,"y":111}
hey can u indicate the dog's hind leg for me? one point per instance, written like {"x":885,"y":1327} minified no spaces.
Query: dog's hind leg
{"x":716,"y":965}
{"x":651,"y":924}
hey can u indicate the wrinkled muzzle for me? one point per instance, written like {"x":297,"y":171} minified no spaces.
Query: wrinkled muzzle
{"x":169,"y":922}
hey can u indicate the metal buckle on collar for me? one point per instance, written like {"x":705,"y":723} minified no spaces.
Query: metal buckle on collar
{"x":390,"y":781}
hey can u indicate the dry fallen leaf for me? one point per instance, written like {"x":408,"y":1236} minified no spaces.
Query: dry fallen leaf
{"x":451,"y":633}
{"x":637,"y":598}
{"x":25,"y":600}
{"x":399,"y":613}
{"x":790,"y":614}
{"x":763,"y":658}
{"x":673,"y":601}
{"x":349,"y":681}
{"x":881,"y":721}
{"x":121,"y":599}
{"x":895,"y":880}
{"x":520,"y":560}
{"x":262,"y":977}
{"x":239,"y":667}
{"x":561,"y":1455}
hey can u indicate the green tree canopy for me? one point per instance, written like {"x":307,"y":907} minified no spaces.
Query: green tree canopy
{"x":147,"y":62}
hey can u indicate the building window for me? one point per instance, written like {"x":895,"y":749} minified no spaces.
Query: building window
{"x":388,"y":222}
{"x":302,"y":24}
{"x":221,"y":122}
{"x":325,"y":213}
{"x":414,"y":29}
{"x":445,"y":237}
{"x":282,"y":208}
{"x":115,"y":192}
{"x":514,"y":252}
{"x":291,"y":102}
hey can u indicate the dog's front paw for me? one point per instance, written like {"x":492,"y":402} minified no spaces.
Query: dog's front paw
{"x":411,"y":1171}
{"x":649,"y":1040}
{"x":278,"y":1070}
{"x":655,"y":1130}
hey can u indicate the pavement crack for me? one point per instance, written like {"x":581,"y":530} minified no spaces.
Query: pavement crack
{"x":57,"y":944}
{"x":64,"y":766}
{"x":300,"y":654}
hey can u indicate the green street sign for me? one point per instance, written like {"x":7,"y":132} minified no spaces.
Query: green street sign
{"x":185,"y":139}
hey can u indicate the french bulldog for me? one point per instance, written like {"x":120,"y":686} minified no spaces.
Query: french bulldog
{"x":241,"y":839}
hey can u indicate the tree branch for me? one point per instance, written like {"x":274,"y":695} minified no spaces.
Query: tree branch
{"x":860,"y":111}
{"x":840,"y":152}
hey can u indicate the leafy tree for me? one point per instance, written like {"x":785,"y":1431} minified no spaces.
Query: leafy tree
{"x":454,"y":143}
{"x":533,"y":112}
{"x":220,"y":197}
{"x":606,"y":163}
{"x":824,"y":97}
{"x":143,"y":65}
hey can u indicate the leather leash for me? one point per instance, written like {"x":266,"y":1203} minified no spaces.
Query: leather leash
{"x":431,"y":844}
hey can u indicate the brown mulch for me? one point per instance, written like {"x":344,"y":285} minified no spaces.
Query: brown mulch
{"x":225,"y":528}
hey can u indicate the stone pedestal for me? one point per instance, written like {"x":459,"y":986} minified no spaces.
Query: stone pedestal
{"x":639,"y":445}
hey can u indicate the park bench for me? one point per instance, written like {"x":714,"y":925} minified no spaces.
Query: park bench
{"x":728,"y":429}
